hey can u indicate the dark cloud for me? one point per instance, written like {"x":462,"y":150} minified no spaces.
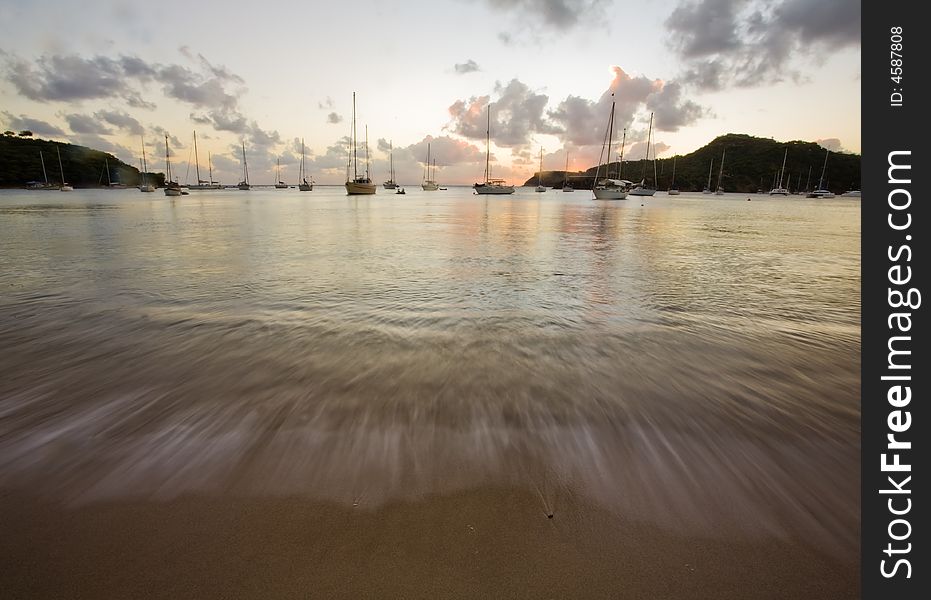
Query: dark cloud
{"x":671,"y":112}
{"x":558,"y":14}
{"x":469,"y":66}
{"x":517,"y":114}
{"x":86,"y":124}
{"x":383,"y":145}
{"x":36,"y":126}
{"x":334,"y":118}
{"x":736,"y":42}
{"x":121,"y":120}
{"x":325,"y":104}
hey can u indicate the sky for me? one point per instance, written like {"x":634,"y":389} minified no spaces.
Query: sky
{"x":109,"y":74}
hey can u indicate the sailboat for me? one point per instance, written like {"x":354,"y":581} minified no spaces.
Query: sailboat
{"x":279,"y":184}
{"x":821,"y":192}
{"x":64,"y":187}
{"x":304,"y":185}
{"x":540,"y":187}
{"x":565,"y":182}
{"x":146,"y":186}
{"x":244,"y":184}
{"x":608,"y":188}
{"x":673,"y":190}
{"x":358,"y":185}
{"x":113,"y":185}
{"x":641,"y":188}
{"x":720,"y":190}
{"x":707,"y":189}
{"x":491,"y":186}
{"x":172,"y":187}
{"x":201,"y":184}
{"x":34,"y":185}
{"x":390,"y":184}
{"x":779,"y":190}
{"x":429,"y":183}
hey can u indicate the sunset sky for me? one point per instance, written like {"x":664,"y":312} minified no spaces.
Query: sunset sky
{"x":105,"y":73}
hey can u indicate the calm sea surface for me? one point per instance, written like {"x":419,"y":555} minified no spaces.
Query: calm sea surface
{"x":691,"y":361}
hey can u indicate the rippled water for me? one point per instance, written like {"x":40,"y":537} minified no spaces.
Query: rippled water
{"x":693,"y":361}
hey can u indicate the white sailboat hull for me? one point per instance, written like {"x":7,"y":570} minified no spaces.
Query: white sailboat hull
{"x":66,"y":188}
{"x":390,"y":185}
{"x":172,"y":191}
{"x":358,"y":188}
{"x":820,"y":194}
{"x":147,"y":188}
{"x":639,"y":191}
{"x":430,"y":186}
{"x":779,"y":192}
{"x":566,"y":188}
{"x":672,"y":192}
{"x":487,"y":189}
{"x":306,"y":187}
{"x":609,"y":194}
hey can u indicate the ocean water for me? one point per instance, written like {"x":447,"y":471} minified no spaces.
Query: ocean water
{"x":690,"y":361}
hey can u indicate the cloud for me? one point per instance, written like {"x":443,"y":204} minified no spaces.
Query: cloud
{"x":517,"y":114}
{"x":334,"y":118}
{"x":121,"y":120}
{"x":735,"y":42}
{"x":325,"y":104}
{"x":469,"y":66}
{"x":832,"y":144}
{"x":558,"y":14}
{"x":671,"y":112}
{"x":86,"y":124}
{"x":36,"y":126}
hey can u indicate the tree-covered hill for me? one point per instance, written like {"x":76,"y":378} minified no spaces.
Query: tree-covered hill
{"x":750,"y":164}
{"x":20,"y":163}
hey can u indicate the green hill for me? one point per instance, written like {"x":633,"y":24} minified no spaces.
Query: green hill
{"x":20,"y":163}
{"x":750,"y":165}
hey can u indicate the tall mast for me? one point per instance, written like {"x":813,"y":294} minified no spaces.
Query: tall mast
{"x":245,"y":165}
{"x":655,"y":179}
{"x":210,"y":167}
{"x":721,"y":169}
{"x":673,"y":172}
{"x":167,"y":160}
{"x":196,"y":159}
{"x":610,"y":139}
{"x":710,"y":167}
{"x":488,"y":144}
{"x":783,"y":170}
{"x":823,"y":169}
{"x":278,"y":172}
{"x":60,"y":168}
{"x":540,"y":174}
{"x":808,"y":180}
{"x":620,"y":169}
{"x":355,"y":156}
{"x":44,"y":174}
{"x":301,"y":175}
{"x":426,"y":167}
{"x":391,"y":160}
{"x":145,"y":167}
{"x":565,"y":180}
{"x":106,"y":163}
{"x":643,"y":173}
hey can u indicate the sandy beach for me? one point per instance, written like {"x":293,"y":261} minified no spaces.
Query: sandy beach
{"x":485,"y":543}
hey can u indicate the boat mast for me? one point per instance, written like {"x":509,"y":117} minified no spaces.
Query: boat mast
{"x":301,"y":175}
{"x":210,"y":168}
{"x":672,"y":185}
{"x":721,"y":168}
{"x":167,"y":161}
{"x":565,"y":180}
{"x":196,"y":159}
{"x":655,"y":179}
{"x":710,"y":167}
{"x":643,"y":174}
{"x":60,"y":168}
{"x":367,"y":152}
{"x":355,"y":156}
{"x":620,"y":169}
{"x":783,"y":170}
{"x":823,"y":169}
{"x":145,"y":167}
{"x":245,"y":165}
{"x":44,"y":174}
{"x":540,"y":176}
{"x":808,"y":180}
{"x":106,"y":163}
{"x":610,"y":139}
{"x":391,"y":160}
{"x":488,"y":144}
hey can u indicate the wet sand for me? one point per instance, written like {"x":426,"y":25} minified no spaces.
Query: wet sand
{"x":482,"y":543}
